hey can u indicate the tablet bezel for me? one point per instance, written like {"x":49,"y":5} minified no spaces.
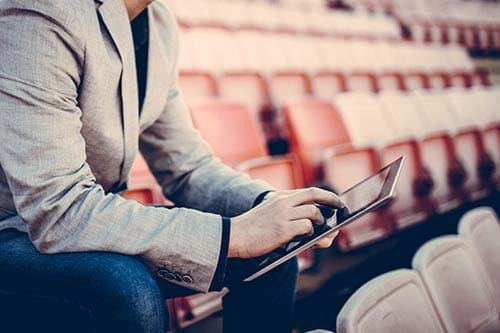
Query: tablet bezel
{"x":387,"y":188}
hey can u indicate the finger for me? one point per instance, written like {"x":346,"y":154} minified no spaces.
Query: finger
{"x":300,"y":227}
{"x":316,"y":195}
{"x":327,"y":241}
{"x":310,"y":212}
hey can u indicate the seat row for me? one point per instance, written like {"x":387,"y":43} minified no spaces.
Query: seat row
{"x":473,"y":36}
{"x":454,"y":286}
{"x":316,"y":20}
{"x":450,"y":138}
{"x":474,"y":24}
{"x":257,"y":68}
{"x":213,"y":49}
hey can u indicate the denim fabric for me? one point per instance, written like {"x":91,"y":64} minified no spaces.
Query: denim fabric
{"x":117,"y":293}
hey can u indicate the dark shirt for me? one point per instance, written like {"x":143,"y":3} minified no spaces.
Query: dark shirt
{"x":140,"y":34}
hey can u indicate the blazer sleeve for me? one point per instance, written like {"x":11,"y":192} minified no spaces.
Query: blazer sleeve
{"x":183,"y":163}
{"x":43,"y":156}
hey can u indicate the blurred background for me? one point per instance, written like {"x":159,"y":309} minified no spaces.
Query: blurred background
{"x":324,"y":93}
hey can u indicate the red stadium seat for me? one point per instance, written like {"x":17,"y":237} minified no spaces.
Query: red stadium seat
{"x":313,"y":126}
{"x":344,"y":167}
{"x":229,"y":129}
{"x":235,"y":138}
{"x":142,"y":186}
{"x":282,"y":172}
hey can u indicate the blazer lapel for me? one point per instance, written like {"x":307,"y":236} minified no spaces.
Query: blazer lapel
{"x":157,"y":78}
{"x":115,"y":17}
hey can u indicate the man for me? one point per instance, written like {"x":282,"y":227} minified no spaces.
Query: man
{"x":84,"y":86}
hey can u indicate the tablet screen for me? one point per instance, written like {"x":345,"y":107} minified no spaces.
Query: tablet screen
{"x":362,"y":198}
{"x":364,"y":194}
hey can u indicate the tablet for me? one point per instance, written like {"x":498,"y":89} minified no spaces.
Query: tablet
{"x":362,"y":198}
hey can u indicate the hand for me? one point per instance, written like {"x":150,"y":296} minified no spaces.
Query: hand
{"x":277,"y":220}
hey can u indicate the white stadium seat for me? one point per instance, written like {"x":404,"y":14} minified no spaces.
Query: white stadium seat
{"x":391,"y":303}
{"x":481,"y":228}
{"x":458,"y":285}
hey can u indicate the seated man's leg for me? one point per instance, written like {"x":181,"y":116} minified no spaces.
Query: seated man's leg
{"x":263,"y":305}
{"x":118,"y":291}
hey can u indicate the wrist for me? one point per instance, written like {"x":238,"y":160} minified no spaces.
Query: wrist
{"x":234,"y":250}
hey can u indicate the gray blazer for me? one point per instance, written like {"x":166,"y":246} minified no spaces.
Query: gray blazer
{"x":70,"y":130}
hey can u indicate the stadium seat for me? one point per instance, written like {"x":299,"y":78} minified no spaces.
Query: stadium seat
{"x":481,"y":228}
{"x":390,"y":303}
{"x":458,"y":285}
{"x":245,"y":87}
{"x":362,"y":70}
{"x":282,"y":172}
{"x":289,"y":85}
{"x":236,"y":140}
{"x":344,"y":166}
{"x":230,"y":131}
{"x":455,"y":109}
{"x":408,"y":122}
{"x":319,"y":138}
{"x":469,"y":142}
{"x":329,"y":78}
{"x":488,"y":120}
{"x":314,"y":125}
{"x":327,"y":84}
{"x":367,"y":125}
{"x":439,"y":149}
{"x":142,"y":186}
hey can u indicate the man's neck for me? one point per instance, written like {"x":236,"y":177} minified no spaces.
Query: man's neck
{"x":135,"y":7}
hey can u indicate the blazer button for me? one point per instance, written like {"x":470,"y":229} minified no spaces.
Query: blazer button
{"x":170,"y":276}
{"x":163,"y":273}
{"x":178,"y":276}
{"x":187,"y":279}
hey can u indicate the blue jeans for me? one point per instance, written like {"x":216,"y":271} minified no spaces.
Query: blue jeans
{"x":118,"y":293}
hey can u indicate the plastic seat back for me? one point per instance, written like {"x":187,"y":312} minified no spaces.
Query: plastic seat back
{"x":313,"y":125}
{"x":390,"y":303}
{"x":344,"y":167}
{"x":458,"y":285}
{"x":435,"y":112}
{"x":282,"y":173}
{"x":481,"y":228}
{"x":401,"y":112}
{"x":229,"y":129}
{"x":142,"y":186}
{"x":363,"y":117}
